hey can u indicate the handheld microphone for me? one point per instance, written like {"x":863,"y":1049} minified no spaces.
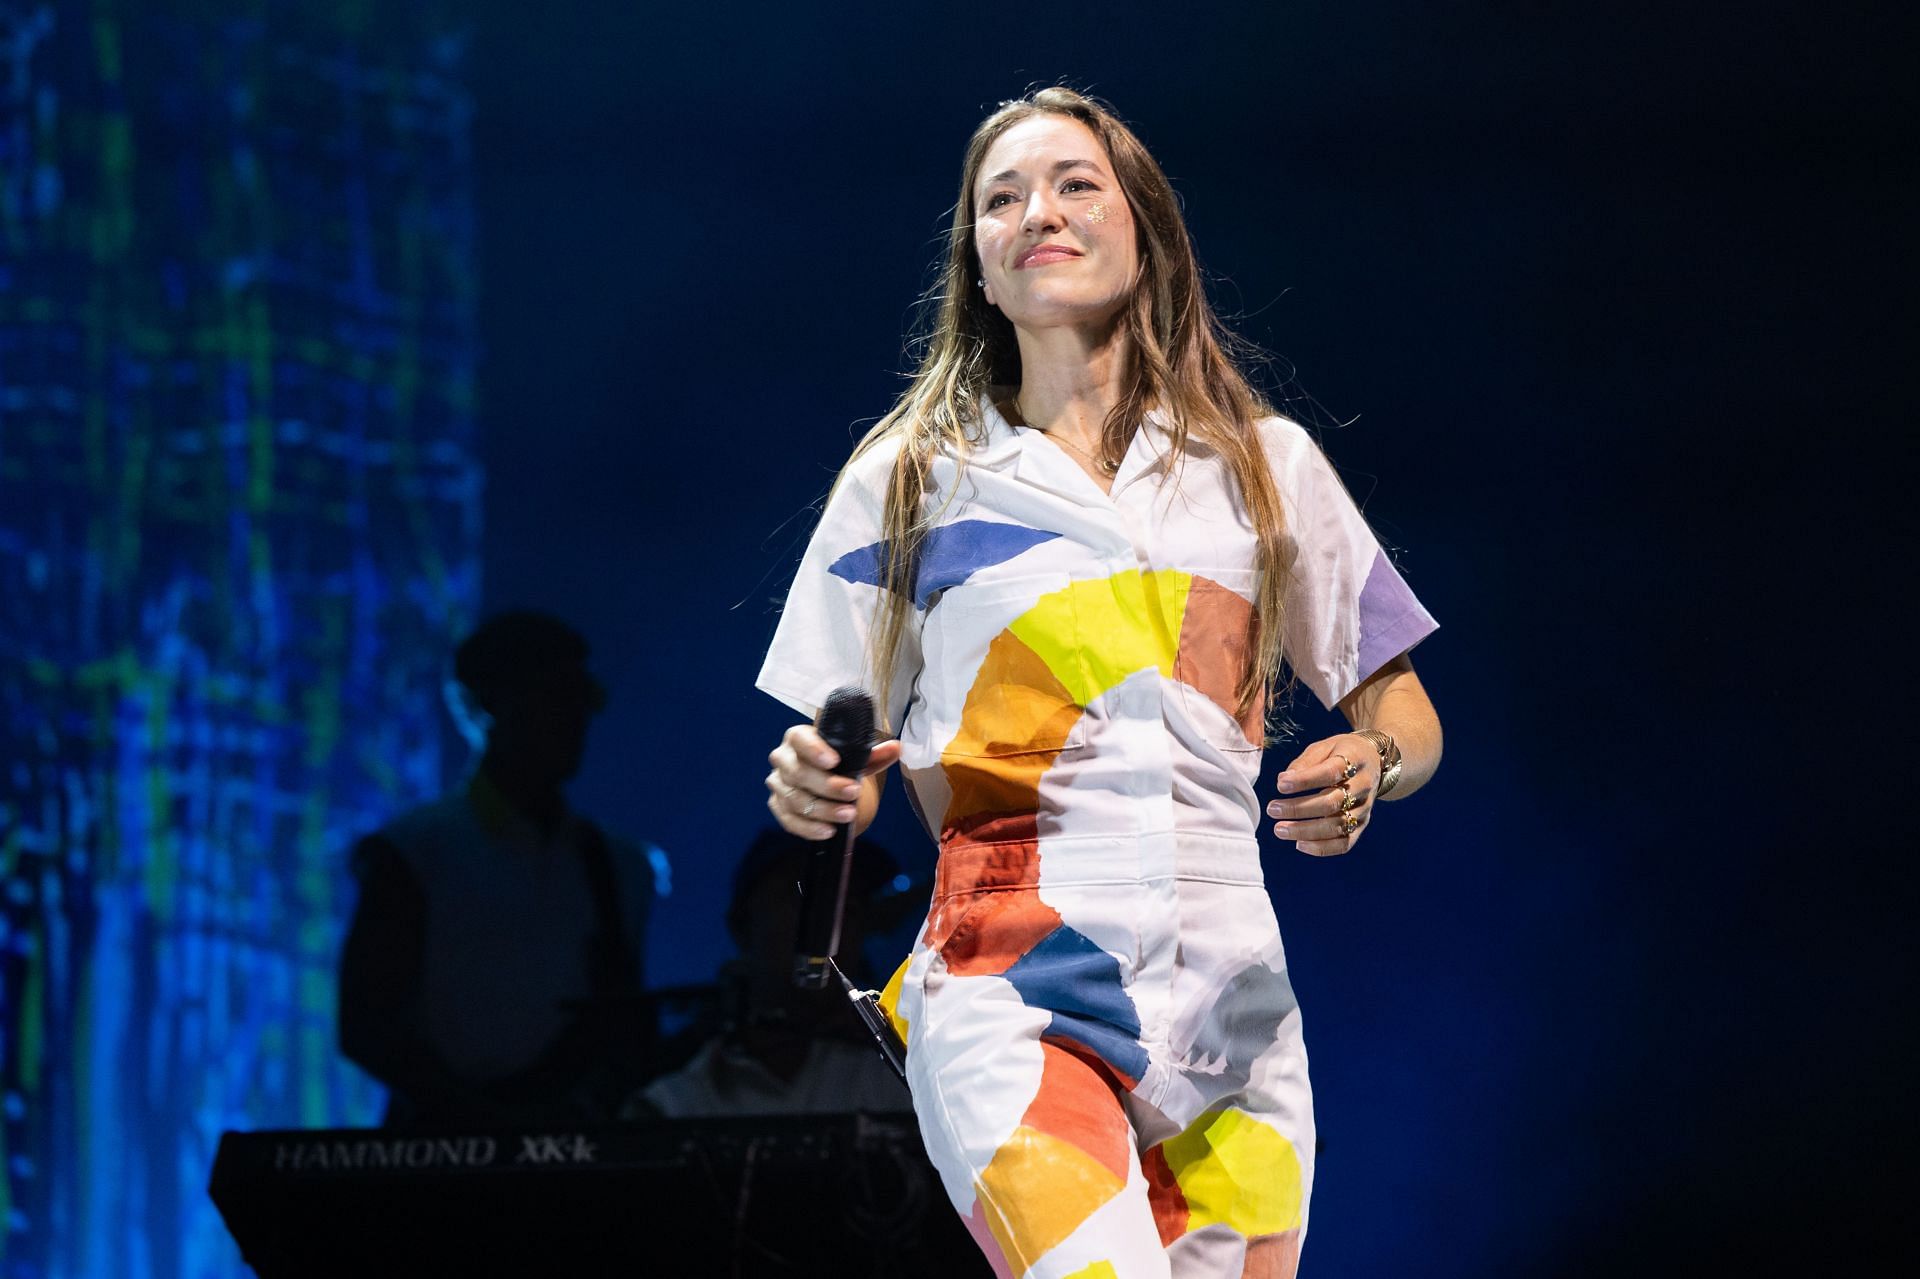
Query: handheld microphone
{"x":846,"y":725}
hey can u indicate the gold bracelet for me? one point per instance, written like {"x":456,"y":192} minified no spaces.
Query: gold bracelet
{"x":1389,"y":758}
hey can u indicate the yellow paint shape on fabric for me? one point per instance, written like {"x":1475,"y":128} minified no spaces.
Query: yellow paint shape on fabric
{"x":1037,"y":1190}
{"x":890,"y":998}
{"x":1095,"y":633}
{"x":1238,"y":1172}
{"x":1098,"y":1270}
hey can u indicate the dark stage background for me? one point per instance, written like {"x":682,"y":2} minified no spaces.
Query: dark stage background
{"x":1596,"y":306}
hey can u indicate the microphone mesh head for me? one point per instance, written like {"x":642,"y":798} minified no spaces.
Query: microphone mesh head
{"x":847,"y":716}
{"x":846,"y":722}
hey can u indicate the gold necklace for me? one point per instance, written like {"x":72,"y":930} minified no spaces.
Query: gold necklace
{"x":1105,"y":467}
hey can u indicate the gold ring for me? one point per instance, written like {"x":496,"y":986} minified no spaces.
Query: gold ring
{"x":1347,"y":801}
{"x":1353,"y":769}
{"x":1349,"y":823}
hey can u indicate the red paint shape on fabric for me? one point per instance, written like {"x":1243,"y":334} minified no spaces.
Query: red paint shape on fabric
{"x":1164,"y":1195}
{"x":992,"y":850}
{"x":1217,"y":637}
{"x":1076,"y":1102}
{"x":1118,"y":1079}
{"x":995,"y":929}
{"x":987,"y":908}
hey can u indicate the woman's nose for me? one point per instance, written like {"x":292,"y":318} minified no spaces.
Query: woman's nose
{"x":1043,"y":216}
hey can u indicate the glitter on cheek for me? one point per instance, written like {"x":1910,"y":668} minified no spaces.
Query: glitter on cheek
{"x":1096,"y":213}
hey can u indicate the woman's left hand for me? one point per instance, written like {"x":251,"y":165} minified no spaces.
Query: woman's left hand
{"x":1330,"y":820}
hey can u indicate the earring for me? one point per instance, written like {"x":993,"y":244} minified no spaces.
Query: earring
{"x":1096,"y":213}
{"x":981,"y":282}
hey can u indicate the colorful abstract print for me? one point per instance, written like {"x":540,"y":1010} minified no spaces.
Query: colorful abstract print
{"x":1019,"y":1006}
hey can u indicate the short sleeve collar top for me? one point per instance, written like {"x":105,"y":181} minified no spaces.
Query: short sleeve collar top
{"x":1072,"y":657}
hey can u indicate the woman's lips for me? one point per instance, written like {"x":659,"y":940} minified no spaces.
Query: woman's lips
{"x":1041,"y":255}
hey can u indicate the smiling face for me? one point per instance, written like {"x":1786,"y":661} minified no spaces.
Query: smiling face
{"x":1053,"y":231}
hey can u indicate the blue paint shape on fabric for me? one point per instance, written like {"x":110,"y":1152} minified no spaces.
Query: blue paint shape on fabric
{"x":1080,"y":984}
{"x":951,"y":554}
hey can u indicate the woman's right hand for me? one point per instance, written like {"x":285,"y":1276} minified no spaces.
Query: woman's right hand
{"x":807,"y":799}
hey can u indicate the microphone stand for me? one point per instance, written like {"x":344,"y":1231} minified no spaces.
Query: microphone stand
{"x":846,"y":724}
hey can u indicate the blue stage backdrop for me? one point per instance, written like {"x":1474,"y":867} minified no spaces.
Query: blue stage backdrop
{"x":1594,"y":287}
{"x":239,"y":524}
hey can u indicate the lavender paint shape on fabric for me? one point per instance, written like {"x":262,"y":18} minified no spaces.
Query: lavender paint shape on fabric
{"x":1391,"y":618}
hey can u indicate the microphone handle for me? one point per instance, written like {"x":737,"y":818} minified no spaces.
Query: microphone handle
{"x":823,"y":890}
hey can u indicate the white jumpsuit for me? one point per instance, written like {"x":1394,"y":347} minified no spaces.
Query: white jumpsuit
{"x":1103,"y":1046}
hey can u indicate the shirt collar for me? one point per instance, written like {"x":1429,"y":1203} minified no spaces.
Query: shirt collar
{"x":1001,"y":445}
{"x":1006,"y":446}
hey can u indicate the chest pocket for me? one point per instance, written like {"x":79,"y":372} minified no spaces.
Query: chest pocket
{"x":1000,"y":658}
{"x":1216,"y":649}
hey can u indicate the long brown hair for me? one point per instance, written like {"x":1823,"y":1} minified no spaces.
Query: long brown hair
{"x":1177,"y":361}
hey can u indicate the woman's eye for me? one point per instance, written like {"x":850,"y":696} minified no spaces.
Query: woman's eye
{"x":1076,"y":184}
{"x":998,"y":198}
